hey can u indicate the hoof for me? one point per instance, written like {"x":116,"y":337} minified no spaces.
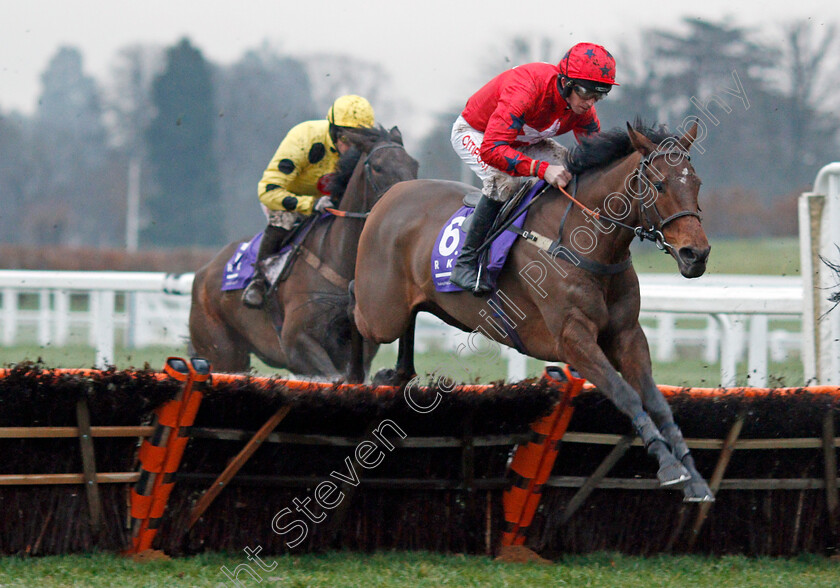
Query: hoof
{"x":673,"y":474}
{"x":697,"y":491}
{"x":387,"y":377}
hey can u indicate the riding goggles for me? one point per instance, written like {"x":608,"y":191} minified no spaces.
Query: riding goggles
{"x":590,"y":93}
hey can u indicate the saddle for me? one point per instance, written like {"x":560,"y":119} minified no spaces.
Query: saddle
{"x":471,"y":200}
{"x":240,"y":268}
{"x":276,"y":268}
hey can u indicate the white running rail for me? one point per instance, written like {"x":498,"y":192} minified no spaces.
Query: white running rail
{"x":154,"y":307}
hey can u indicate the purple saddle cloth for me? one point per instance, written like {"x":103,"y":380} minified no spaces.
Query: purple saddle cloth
{"x":450,"y":238}
{"x":240,"y":267}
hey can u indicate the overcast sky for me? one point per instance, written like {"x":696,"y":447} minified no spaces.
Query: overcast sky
{"x":431,"y":48}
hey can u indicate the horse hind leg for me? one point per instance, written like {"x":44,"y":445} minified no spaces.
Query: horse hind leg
{"x":214,"y":342}
{"x":307,"y":357}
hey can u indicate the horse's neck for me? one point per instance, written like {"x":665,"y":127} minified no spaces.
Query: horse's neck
{"x":338,"y":246}
{"x":614,"y":244}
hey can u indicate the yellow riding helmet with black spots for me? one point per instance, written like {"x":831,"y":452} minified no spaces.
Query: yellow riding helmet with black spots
{"x":351,"y":111}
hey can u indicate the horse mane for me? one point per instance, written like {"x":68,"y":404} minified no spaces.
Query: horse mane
{"x":361,"y":141}
{"x":601,"y":149}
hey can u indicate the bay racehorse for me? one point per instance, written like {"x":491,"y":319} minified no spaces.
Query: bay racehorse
{"x":568,"y":291}
{"x":304,"y":326}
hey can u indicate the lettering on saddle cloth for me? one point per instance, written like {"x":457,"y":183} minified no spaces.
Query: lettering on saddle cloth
{"x":240,"y":267}
{"x":451,"y":237}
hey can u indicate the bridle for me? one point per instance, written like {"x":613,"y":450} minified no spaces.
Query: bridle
{"x":652,"y":233}
{"x":370,"y":181}
{"x":658,"y":236}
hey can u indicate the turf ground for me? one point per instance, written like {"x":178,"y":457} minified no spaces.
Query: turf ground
{"x":398,"y":570}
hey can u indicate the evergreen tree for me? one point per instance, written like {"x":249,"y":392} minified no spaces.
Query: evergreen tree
{"x":16,"y":172}
{"x":71,"y":204}
{"x":260,"y":98}
{"x":184,"y":205}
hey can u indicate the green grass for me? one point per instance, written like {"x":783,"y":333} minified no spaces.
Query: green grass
{"x":777,"y":257}
{"x":422,"y":570}
{"x":84,"y":356}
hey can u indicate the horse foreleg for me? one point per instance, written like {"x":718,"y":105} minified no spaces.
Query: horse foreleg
{"x":580,"y":349}
{"x":356,"y":365}
{"x":632,"y":354}
{"x":405,"y":353}
{"x":307,"y":357}
{"x":404,"y":370}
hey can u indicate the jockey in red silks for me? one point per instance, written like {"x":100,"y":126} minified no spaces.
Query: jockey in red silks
{"x":503,"y":134}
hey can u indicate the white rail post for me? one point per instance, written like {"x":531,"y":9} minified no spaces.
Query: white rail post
{"x":665,"y":335}
{"x":62,"y":316}
{"x":728,"y":351}
{"x":10,"y":311}
{"x":103,"y":327}
{"x":819,"y":235}
{"x":44,"y":316}
{"x":757,"y":355}
{"x":517,"y":365}
{"x":712,"y":337}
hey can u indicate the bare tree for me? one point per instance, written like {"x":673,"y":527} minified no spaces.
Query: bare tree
{"x":334,"y":75}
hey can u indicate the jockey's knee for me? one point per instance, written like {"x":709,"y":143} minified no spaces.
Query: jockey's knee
{"x":283,"y":219}
{"x":500,"y":187}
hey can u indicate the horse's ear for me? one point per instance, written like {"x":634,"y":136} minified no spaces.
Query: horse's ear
{"x":395,"y":135}
{"x":640,"y":143}
{"x":687,"y":139}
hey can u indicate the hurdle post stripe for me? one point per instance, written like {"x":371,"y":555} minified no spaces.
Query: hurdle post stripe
{"x":532,"y":463}
{"x":161,"y":455}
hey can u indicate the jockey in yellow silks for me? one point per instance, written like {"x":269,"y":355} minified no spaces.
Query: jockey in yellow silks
{"x":294,"y":184}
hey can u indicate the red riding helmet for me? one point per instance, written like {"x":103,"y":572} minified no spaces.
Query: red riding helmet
{"x":588,"y":61}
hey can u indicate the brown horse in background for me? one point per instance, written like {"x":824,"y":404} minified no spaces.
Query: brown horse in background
{"x":304,"y":326}
{"x":573,"y":298}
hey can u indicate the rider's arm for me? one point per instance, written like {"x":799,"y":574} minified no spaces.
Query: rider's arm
{"x":289,"y":161}
{"x":503,"y":127}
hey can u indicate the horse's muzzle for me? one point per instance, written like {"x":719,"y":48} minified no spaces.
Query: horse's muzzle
{"x":692,"y":261}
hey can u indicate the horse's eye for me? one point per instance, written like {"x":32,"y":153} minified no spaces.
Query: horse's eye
{"x":659,"y":186}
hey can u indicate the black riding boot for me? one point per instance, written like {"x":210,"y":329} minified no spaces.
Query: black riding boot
{"x":254,"y":294}
{"x":467,"y":274}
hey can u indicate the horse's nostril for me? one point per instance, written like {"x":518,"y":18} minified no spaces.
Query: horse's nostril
{"x":687,"y":254}
{"x":692,"y":255}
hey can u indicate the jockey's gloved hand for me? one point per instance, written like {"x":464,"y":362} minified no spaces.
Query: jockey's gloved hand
{"x":323,"y":202}
{"x":557,"y":175}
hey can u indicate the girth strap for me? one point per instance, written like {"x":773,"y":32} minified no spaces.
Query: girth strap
{"x":589,"y":265}
{"x":326,"y":271}
{"x":509,"y":330}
